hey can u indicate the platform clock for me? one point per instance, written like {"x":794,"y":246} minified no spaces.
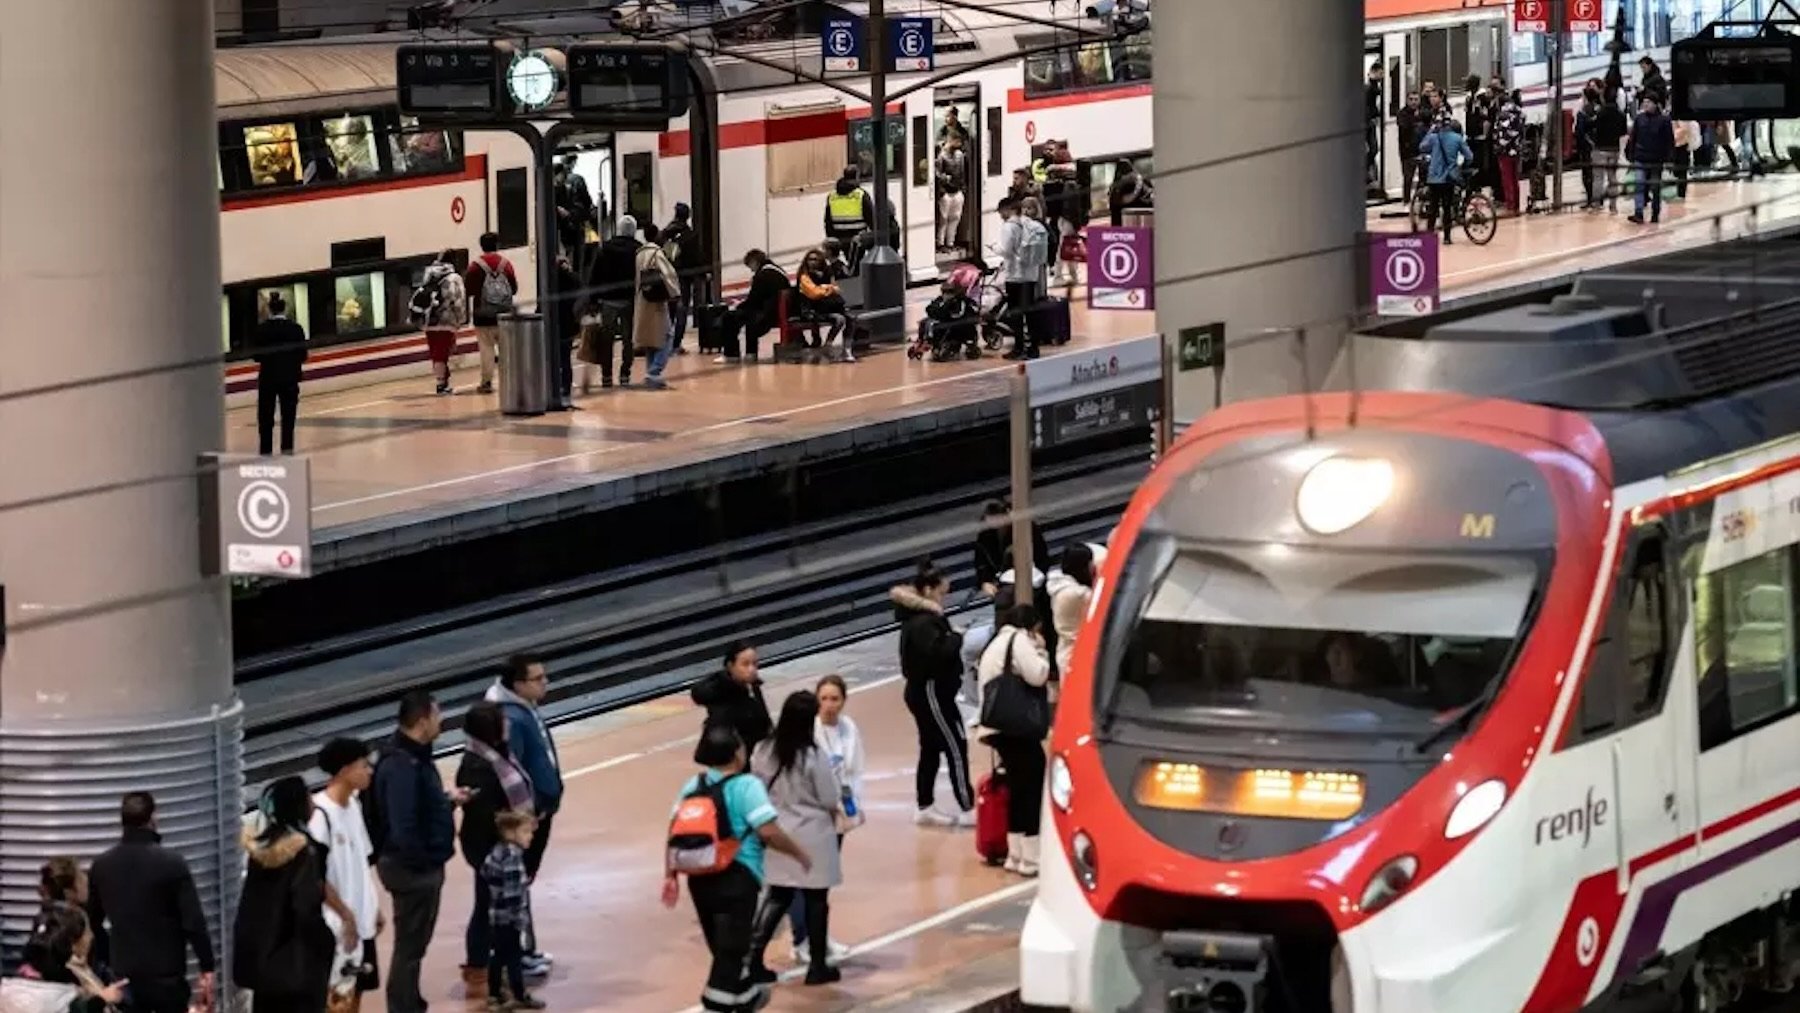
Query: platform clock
{"x":532,"y":80}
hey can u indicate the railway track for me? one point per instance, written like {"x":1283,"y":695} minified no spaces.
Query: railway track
{"x":622,"y":637}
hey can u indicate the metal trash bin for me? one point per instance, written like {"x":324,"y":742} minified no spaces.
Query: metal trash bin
{"x":1139,"y":218}
{"x":524,"y":364}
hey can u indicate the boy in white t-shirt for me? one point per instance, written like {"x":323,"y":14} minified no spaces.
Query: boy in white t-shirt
{"x":352,"y":906}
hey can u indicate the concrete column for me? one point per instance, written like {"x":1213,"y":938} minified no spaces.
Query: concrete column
{"x":117,"y":671}
{"x":1259,"y":189}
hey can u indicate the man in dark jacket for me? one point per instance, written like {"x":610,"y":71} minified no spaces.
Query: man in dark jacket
{"x":760,"y":311}
{"x":145,"y":913}
{"x":279,"y":345}
{"x":680,"y":237}
{"x":1649,"y":146}
{"x":417,"y":837}
{"x":520,"y":690}
{"x":614,"y":281}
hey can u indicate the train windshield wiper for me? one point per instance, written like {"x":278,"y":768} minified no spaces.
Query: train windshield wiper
{"x":1462,"y":720}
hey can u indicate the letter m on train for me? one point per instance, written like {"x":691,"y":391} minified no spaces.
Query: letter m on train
{"x":1478,"y":525}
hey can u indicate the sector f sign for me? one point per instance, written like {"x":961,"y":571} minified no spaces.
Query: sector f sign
{"x":1584,"y":16}
{"x":1531,"y":15}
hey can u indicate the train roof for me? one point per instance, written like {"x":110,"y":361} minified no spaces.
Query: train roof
{"x":342,"y":71}
{"x":1677,"y":359}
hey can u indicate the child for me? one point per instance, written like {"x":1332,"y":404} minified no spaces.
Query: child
{"x":509,"y":910}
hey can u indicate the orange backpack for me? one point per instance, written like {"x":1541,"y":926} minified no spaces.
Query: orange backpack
{"x":700,"y":839}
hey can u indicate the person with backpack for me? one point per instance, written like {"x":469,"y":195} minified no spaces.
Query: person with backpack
{"x":494,"y":284}
{"x":412,"y":833}
{"x":614,"y":281}
{"x":652,"y":332}
{"x":1025,"y":253}
{"x":719,"y":828}
{"x":440,"y":307}
{"x":681,"y":244}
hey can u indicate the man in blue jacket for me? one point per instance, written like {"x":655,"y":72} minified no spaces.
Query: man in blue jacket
{"x":1649,"y":146}
{"x":415,"y":836}
{"x":1447,"y":153}
{"x":520,"y":690}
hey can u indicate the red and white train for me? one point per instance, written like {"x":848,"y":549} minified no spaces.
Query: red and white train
{"x":1475,"y":697}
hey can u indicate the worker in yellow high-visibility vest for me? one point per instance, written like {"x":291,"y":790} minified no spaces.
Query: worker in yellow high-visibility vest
{"x":849,"y":210}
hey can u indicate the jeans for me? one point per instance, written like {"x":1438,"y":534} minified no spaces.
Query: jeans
{"x":615,"y":328}
{"x":692,"y":292}
{"x":534,"y":860}
{"x":416,"y":895}
{"x":1606,"y":177}
{"x":726,"y":906}
{"x":1649,"y":190}
{"x":477,"y":939}
{"x":506,"y":957}
{"x":1443,"y":206}
{"x":273,"y":392}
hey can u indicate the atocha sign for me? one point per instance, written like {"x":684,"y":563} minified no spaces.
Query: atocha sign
{"x":1080,"y":395}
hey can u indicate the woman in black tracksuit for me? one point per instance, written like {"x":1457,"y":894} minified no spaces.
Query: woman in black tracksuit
{"x":931,"y":662}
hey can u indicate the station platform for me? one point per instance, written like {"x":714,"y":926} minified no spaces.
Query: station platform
{"x":930,"y":927}
{"x":397,"y":470}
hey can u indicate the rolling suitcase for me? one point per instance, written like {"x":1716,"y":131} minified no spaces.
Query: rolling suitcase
{"x":991,"y":797}
{"x":712,"y":326}
{"x":1056,"y":320}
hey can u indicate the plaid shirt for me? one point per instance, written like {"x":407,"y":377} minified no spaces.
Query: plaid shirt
{"x":509,"y":900}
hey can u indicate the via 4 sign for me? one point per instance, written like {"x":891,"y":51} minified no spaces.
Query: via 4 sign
{"x":1531,"y":15}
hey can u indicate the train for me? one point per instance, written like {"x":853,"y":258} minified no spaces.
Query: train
{"x":1465,"y":684}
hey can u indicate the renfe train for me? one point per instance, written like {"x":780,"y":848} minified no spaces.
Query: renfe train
{"x":1474,"y":691}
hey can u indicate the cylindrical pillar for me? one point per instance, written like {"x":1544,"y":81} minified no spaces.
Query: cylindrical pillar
{"x":1259,"y":166}
{"x":117,"y":671}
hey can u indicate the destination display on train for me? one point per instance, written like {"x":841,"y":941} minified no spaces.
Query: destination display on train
{"x":625,"y":84}
{"x":1738,"y":78}
{"x":450,"y":79}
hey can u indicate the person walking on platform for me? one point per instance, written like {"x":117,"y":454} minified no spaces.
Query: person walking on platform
{"x":758,"y":313}
{"x":413,"y":835}
{"x":1449,"y":156}
{"x":725,"y":900}
{"x":496,"y":783}
{"x":658,"y":289}
{"x":282,"y":946}
{"x":681,"y":244}
{"x":572,"y":304}
{"x":734,"y":696}
{"x":849,"y":212}
{"x":520,"y":692}
{"x":807,"y":801}
{"x":493,"y":285}
{"x":145,"y":913}
{"x":931,"y":664}
{"x":952,"y":180}
{"x":279,"y":345}
{"x":614,"y":282}
{"x":1610,"y":128}
{"x":1017,"y":652}
{"x":1650,"y":146}
{"x":338,"y":823}
{"x":440,"y":305}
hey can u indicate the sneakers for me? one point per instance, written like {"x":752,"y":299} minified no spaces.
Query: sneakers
{"x":529,"y":1002}
{"x":443,"y":389}
{"x":656,"y":383}
{"x":823,"y":976}
{"x":930,"y":816}
{"x":835,"y":951}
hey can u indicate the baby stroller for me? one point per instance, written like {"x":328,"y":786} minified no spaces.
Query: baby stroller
{"x":955,"y":323}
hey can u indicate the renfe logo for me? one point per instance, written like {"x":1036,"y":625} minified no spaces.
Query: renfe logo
{"x":1586,"y":819}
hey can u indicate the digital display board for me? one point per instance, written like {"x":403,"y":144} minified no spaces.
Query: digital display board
{"x":1736,"y":78}
{"x":1278,"y":793}
{"x":627,"y":85}
{"x":451,"y":79}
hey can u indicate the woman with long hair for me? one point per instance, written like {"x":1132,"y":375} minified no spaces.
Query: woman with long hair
{"x":496,"y":784}
{"x":283,"y":946}
{"x":1017,"y":652}
{"x":841,"y":741}
{"x":53,"y":974}
{"x":931,"y":664}
{"x":807,"y":797}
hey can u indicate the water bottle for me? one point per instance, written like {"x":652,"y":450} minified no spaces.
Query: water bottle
{"x":849,"y":804}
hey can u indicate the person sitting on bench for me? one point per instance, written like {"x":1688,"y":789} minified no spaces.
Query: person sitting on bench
{"x":821,"y":301}
{"x":760,"y":310}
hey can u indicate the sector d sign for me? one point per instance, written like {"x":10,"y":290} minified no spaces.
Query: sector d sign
{"x":1403,"y":273}
{"x":1121,"y":269}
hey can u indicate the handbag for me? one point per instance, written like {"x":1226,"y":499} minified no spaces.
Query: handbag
{"x":1011,"y":706}
{"x":588,"y":349}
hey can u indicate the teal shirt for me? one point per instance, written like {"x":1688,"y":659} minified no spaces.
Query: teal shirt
{"x":748,"y":808}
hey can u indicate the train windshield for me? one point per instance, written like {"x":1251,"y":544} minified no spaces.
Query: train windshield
{"x":1275,"y":637}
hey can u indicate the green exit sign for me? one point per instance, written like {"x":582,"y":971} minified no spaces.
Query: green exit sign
{"x":1202,"y":347}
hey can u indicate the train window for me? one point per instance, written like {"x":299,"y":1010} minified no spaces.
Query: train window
{"x":273,"y":153}
{"x":1105,"y":64}
{"x":416,"y":149}
{"x":512,"y":205}
{"x":996,"y":154}
{"x":1336,"y":642}
{"x":1104,"y":171}
{"x":862,"y":146}
{"x":359,"y":303}
{"x":921,"y":153}
{"x":1629,"y":669}
{"x":350,"y":141}
{"x":1744,"y":646}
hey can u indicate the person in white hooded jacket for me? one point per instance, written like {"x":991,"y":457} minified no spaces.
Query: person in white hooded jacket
{"x":1071,"y":588}
{"x":1018,"y":646}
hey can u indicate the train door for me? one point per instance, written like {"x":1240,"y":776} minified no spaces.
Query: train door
{"x":1375,"y":117}
{"x":638,"y":171}
{"x":956,"y":149}
{"x":585,"y":189}
{"x":1626,"y":701}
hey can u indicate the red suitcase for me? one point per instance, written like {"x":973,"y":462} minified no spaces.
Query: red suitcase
{"x":990,"y":818}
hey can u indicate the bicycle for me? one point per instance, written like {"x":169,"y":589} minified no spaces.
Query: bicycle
{"x":1473,"y":209}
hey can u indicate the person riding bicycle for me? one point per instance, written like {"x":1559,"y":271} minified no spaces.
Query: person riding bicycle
{"x":1448,"y":155}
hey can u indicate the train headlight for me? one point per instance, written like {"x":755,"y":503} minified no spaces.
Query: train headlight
{"x":1341,"y":492}
{"x":1062,"y":783}
{"x":1474,"y":809}
{"x":1388,"y":883}
{"x":1084,"y":859}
